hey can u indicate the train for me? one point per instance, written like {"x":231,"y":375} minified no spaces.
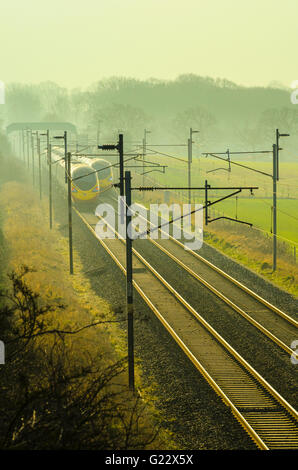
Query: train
{"x":103,"y":170}
{"x":87,"y":182}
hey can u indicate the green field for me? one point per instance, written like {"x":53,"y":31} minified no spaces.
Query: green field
{"x":255,"y":209}
{"x":258,"y":212}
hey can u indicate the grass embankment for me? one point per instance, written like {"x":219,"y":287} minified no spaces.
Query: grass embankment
{"x":29,"y":242}
{"x":245,"y":246}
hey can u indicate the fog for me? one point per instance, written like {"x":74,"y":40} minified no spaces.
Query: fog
{"x":226,"y":114}
{"x":224,"y":68}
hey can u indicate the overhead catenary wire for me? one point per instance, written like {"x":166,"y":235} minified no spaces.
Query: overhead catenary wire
{"x":167,"y":155}
{"x":238,"y":164}
{"x":280,"y":210}
{"x":101,"y":169}
{"x":269,"y":205}
{"x":255,"y":226}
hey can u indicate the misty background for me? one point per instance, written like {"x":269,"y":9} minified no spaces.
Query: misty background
{"x":223,"y":67}
{"x":226,"y":114}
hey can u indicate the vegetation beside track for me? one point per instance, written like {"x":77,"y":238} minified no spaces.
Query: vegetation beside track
{"x":64,"y":384}
{"x":246,"y":247}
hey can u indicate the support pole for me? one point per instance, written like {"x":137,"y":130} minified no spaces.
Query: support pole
{"x":144,"y":153}
{"x":274,"y":178}
{"x":20,"y":144}
{"x":121,"y":164}
{"x":236,"y":216}
{"x":189,"y":146}
{"x":32,"y":154}
{"x":121,"y":177}
{"x":277,"y":153}
{"x":50,"y":185}
{"x":229,"y":160}
{"x":65,"y":155}
{"x":206,"y":202}
{"x":277,"y":136}
{"x":69,"y":213}
{"x":48,"y":142}
{"x":28,"y":158}
{"x":23,"y":145}
{"x":129,"y":282}
{"x":39,"y":164}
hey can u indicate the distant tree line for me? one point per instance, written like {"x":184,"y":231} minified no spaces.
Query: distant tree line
{"x":225,"y":113}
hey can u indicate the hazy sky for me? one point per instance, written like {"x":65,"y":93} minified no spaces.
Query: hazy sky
{"x":75,"y":43}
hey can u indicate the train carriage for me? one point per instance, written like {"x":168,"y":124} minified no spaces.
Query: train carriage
{"x":103,"y":170}
{"x":104,"y":173}
{"x":85,"y":185}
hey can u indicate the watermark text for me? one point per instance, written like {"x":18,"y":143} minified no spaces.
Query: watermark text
{"x":186,"y":222}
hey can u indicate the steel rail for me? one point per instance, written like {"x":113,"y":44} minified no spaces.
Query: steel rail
{"x":234,"y":281}
{"x":240,"y":285}
{"x":278,"y":416}
{"x":224,"y":298}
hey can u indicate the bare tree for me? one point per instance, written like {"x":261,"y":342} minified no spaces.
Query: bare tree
{"x":56,"y":395}
{"x":197,"y":118}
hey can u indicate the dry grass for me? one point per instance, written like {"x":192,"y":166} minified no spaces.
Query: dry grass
{"x":255,"y":251}
{"x":29,"y":242}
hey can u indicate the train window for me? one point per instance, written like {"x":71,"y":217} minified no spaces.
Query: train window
{"x":87,"y":180}
{"x":103,"y":173}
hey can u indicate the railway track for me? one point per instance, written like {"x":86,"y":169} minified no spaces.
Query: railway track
{"x":267,"y":417}
{"x":271,"y":321}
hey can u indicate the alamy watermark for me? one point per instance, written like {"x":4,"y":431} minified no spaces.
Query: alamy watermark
{"x":2,"y":92}
{"x":294,"y":94}
{"x":144,"y":222}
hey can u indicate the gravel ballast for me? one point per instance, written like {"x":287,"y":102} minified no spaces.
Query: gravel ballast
{"x":190,"y":408}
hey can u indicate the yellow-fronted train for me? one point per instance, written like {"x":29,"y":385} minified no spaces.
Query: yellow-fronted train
{"x":85,"y":185}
